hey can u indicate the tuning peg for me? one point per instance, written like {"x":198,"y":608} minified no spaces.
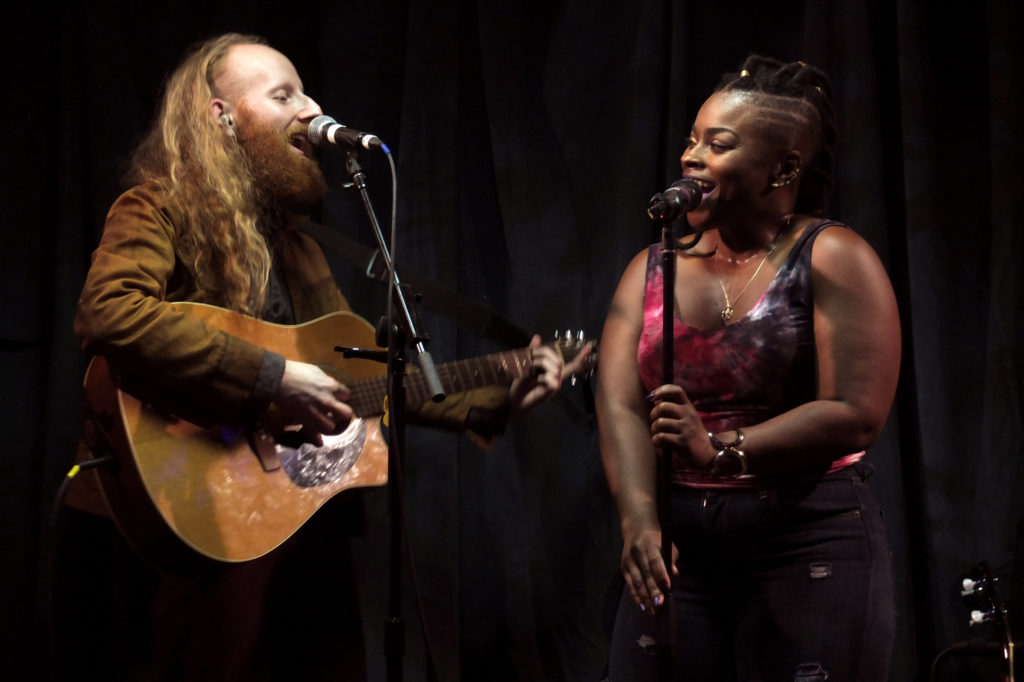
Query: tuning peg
{"x":567,"y":338}
{"x":978,"y":617}
{"x":977,"y":586}
{"x":579,"y":344}
{"x":572,"y":341}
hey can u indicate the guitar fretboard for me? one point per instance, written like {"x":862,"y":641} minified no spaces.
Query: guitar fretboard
{"x":496,"y":369}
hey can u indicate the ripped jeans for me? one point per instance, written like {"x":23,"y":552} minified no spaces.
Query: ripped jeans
{"x":775,"y":584}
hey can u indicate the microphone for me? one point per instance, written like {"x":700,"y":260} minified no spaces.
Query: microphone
{"x":682,"y":197}
{"x":324,"y":130}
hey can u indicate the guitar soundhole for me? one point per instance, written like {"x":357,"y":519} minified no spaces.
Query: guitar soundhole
{"x":309,"y":465}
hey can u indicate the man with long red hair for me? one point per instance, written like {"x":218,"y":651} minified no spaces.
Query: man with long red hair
{"x":221,"y":185}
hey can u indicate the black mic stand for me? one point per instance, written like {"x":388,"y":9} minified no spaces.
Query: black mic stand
{"x":400,"y":331}
{"x":666,"y":614}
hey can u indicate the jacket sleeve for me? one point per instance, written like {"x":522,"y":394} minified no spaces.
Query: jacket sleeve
{"x":481,"y":413}
{"x":125,"y":314}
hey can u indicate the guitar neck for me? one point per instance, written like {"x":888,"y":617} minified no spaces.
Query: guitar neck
{"x":496,"y":369}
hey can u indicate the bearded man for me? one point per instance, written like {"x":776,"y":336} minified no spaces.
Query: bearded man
{"x":221,"y":186}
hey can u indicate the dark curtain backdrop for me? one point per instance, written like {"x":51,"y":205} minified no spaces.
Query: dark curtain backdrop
{"x":528,"y":138}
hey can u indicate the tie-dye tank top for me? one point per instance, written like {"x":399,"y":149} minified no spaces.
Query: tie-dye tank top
{"x":745,"y":372}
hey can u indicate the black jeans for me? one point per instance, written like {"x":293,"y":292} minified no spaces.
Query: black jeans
{"x":785,"y":583}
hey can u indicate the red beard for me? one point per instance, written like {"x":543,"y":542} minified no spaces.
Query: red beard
{"x":292,"y":181}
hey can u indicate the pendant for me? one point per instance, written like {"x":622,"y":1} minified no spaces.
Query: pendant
{"x":727,"y":312}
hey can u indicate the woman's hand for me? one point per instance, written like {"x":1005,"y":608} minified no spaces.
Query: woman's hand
{"x":676,"y":425}
{"x":644,"y":570}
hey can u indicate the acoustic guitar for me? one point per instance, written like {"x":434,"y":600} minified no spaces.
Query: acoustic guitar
{"x":183,"y":493}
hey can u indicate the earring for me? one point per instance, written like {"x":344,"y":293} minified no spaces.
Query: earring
{"x":785,"y":180}
{"x":226,"y":121}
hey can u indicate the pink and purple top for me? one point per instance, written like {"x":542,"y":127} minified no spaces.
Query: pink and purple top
{"x":758,"y":367}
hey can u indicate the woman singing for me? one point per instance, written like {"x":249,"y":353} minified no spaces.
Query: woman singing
{"x":786,"y":349}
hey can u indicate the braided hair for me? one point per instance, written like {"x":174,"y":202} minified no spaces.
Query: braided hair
{"x":796,"y":100}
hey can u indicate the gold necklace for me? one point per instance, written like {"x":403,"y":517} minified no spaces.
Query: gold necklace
{"x":729,"y":309}
{"x":736,"y":261}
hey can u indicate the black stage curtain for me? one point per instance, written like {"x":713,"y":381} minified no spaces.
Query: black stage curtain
{"x":528,"y":138}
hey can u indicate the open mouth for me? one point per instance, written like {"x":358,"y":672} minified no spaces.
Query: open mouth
{"x":704,"y":185}
{"x":300,"y":143}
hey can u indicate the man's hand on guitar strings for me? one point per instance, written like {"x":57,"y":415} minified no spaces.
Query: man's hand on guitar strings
{"x":310,"y":397}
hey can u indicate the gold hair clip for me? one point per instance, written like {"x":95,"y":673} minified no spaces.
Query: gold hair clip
{"x":744,"y":73}
{"x":818,"y":88}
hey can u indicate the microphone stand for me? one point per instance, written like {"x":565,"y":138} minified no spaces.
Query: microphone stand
{"x":665,"y":623}
{"x":401,"y":331}
{"x":666,"y":614}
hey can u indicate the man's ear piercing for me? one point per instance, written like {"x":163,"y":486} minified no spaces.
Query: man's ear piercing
{"x":228,"y":124}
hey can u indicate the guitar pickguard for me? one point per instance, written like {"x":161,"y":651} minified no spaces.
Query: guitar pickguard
{"x":309,"y":465}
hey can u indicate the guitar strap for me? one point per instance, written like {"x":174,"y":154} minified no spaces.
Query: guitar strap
{"x":441,"y":299}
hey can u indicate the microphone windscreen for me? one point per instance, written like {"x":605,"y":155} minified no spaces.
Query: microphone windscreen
{"x":318,"y":128}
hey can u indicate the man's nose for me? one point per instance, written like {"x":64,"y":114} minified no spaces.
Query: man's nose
{"x":310,"y":110}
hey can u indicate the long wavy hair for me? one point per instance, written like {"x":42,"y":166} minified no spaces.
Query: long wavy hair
{"x":207,"y":178}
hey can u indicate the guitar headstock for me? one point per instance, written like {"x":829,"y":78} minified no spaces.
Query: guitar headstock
{"x":571,"y":346}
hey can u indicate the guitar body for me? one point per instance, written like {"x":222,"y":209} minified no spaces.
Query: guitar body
{"x":182,"y":492}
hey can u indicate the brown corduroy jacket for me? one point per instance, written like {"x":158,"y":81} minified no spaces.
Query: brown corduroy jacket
{"x":125,"y":314}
